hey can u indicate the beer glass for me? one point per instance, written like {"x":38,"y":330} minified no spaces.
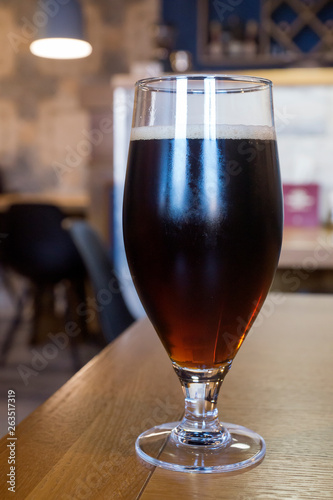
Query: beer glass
{"x":203,"y":224}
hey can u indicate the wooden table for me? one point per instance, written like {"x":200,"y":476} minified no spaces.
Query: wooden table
{"x":307,"y":247}
{"x":80,"y":443}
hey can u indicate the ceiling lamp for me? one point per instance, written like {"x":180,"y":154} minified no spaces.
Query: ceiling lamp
{"x":62,"y":34}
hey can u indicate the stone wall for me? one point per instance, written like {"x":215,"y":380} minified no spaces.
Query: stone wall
{"x":48,"y":108}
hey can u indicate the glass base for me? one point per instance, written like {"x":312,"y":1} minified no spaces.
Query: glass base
{"x":241,"y":448}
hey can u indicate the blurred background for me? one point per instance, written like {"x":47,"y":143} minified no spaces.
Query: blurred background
{"x":64,"y":132}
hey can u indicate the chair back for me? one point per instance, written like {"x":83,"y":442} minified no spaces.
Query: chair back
{"x":37,"y":246}
{"x":113,"y":314}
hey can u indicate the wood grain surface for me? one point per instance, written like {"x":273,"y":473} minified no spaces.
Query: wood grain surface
{"x":307,"y":248}
{"x":80,"y":443}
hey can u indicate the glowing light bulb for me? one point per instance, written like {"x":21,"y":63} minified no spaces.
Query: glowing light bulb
{"x":61,"y":48}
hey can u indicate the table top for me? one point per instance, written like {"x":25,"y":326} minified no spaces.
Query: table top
{"x":80,"y":443}
{"x":307,"y":247}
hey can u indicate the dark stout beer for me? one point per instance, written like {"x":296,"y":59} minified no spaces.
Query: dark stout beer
{"x":202,"y":236}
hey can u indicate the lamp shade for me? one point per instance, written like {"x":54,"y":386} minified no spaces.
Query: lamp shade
{"x":61,"y":36}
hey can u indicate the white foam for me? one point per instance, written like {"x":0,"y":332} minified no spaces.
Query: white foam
{"x":198,"y":132}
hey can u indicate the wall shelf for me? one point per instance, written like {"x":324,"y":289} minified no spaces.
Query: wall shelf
{"x":286,"y":32}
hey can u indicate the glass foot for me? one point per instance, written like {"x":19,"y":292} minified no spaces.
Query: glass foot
{"x":241,"y":448}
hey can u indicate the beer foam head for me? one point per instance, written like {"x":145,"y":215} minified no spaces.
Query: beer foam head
{"x":202,"y":132}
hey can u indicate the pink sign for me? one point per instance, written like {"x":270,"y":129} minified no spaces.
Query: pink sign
{"x":301,"y":204}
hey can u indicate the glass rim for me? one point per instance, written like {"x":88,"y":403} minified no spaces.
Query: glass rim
{"x":251,"y":83}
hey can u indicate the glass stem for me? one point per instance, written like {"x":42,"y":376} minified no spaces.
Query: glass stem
{"x":200,"y":425}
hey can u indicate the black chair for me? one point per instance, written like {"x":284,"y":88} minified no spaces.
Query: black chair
{"x":113,"y":314}
{"x":38,"y":248}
